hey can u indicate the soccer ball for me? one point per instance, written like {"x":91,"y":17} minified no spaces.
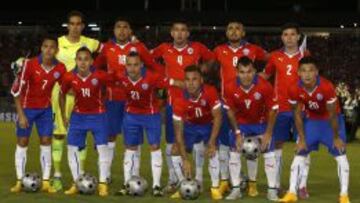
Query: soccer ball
{"x":31,"y":182}
{"x":86,"y":184}
{"x":251,"y":148}
{"x":190,"y":189}
{"x":136,"y":186}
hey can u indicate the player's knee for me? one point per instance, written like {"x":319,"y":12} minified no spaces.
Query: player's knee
{"x":154,"y":147}
{"x":59,"y":137}
{"x":23,"y":141}
{"x":132,"y":147}
{"x":279,"y":145}
{"x":175,"y":150}
{"x":45,"y":140}
{"x":112,"y":138}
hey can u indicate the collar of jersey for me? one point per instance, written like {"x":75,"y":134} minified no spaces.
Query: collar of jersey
{"x":242,"y":43}
{"x":113,"y":40}
{"x":187,"y":94}
{"x":301,"y":83}
{"x":40,"y":60}
{"x":254,"y":82}
{"x":92,"y":69}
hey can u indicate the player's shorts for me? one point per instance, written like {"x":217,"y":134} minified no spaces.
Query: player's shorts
{"x":135,"y":124}
{"x":42,"y":119}
{"x":59,"y":128}
{"x":194,"y":133}
{"x":224,"y":135}
{"x":115,"y":115}
{"x":80,"y":124}
{"x":320,"y":132}
{"x":252,"y":130}
{"x":169,"y":125}
{"x":283,"y":126}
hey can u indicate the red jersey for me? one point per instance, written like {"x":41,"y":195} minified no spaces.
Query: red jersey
{"x":284,"y":66}
{"x":112,"y":58}
{"x":176,"y":60}
{"x":228,"y":58}
{"x":34,"y":83}
{"x":252,"y":105}
{"x":141,"y":94}
{"x":316,"y":100}
{"x":88,"y":91}
{"x":196,"y":111}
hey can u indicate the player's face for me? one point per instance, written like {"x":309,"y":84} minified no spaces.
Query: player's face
{"x":83,"y":61}
{"x":193,"y":82}
{"x":122,"y":31}
{"x":308,"y":74}
{"x":246,"y":74}
{"x":49,"y":49}
{"x":290,"y":37}
{"x":180,"y":33}
{"x":133,"y":66}
{"x":235,"y":32}
{"x":75,"y":26}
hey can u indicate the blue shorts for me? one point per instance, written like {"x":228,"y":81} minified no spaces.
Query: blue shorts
{"x":283,"y":126}
{"x":135,"y":124}
{"x":320,"y":132}
{"x":224,"y":136}
{"x":194,"y":134}
{"x":43,"y":119}
{"x":80,"y":124}
{"x":252,"y":130}
{"x":169,"y":125}
{"x":115,"y":115}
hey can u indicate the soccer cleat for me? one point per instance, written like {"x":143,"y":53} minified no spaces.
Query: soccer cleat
{"x":103,"y":190}
{"x":170,"y":188}
{"x":252,"y":191}
{"x":303,"y":193}
{"x":216,"y":193}
{"x":344,"y":199}
{"x":176,"y":195}
{"x":224,"y":186}
{"x":272,"y":194}
{"x":234,"y":194}
{"x":57,"y":184}
{"x":123,"y":191}
{"x":72,"y":190}
{"x":17,"y":187}
{"x":289,"y":197}
{"x":157,"y":192}
{"x":47,"y":187}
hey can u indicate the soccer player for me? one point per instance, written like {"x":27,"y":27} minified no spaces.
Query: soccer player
{"x":32,"y":93}
{"x":68,"y":45}
{"x":252,"y":110}
{"x":197,"y":118}
{"x":283,"y":63}
{"x":112,"y":57}
{"x":89,"y":114}
{"x":177,"y":56}
{"x":323,"y":123}
{"x":228,"y":55}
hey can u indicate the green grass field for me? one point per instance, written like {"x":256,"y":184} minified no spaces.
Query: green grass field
{"x":323,"y":181}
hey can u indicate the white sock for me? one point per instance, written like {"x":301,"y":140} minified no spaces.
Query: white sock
{"x":198,"y":153}
{"x":136,"y":169}
{"x":103,"y":151}
{"x":343,"y":173}
{"x":177,"y":161}
{"x":45,"y":160}
{"x":172,"y":175}
{"x":20,"y":161}
{"x":74,"y":161}
{"x":129,"y":159}
{"x":305,"y":173}
{"x":111,"y":148}
{"x":252,"y":168}
{"x":270,"y":168}
{"x":156,"y":166}
{"x":235,"y":168}
{"x":278,"y":157}
{"x":296,"y":166}
{"x":214,"y":170}
{"x":224,"y":161}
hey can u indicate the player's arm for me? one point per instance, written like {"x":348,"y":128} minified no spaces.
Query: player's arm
{"x":272,"y":108}
{"x":297,"y":109}
{"x":217,"y":120}
{"x":149,"y":60}
{"x":229,"y":106}
{"x":333,"y":117}
{"x":65,"y":87}
{"x":269,"y":69}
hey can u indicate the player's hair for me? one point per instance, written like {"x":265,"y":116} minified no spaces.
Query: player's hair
{"x":84,"y":49}
{"x":193,"y":68}
{"x":77,"y":14}
{"x":180,"y":21}
{"x":235,"y":21}
{"x":294,"y":26}
{"x":51,"y":38}
{"x":122,"y":19}
{"x":245,"y":61}
{"x":133,"y":54}
{"x":308,"y":60}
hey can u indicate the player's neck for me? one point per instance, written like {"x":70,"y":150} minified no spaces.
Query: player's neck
{"x":310,"y":87}
{"x":122,"y":42}
{"x":291,"y":50}
{"x":73,"y":38}
{"x":135,"y":78}
{"x":235,"y":44}
{"x":180,"y":45}
{"x":195,"y":95}
{"x":47,"y":63}
{"x":84,"y":74}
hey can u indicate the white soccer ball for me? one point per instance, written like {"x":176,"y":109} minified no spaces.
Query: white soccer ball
{"x":86,"y":184}
{"x":31,"y":182}
{"x":190,"y":189}
{"x":136,"y":186}
{"x":251,"y":148}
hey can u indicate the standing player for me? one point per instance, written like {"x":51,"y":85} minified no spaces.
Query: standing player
{"x":283,"y":64}
{"x":197,"y":118}
{"x":228,"y":55}
{"x":68,"y":45}
{"x":32,"y":93}
{"x":88,"y":115}
{"x":177,"y":56}
{"x":252,"y":112}
{"x":112,"y":58}
{"x":323,"y":124}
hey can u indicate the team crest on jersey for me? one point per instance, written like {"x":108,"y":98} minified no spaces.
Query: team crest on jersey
{"x":145,"y":86}
{"x":94,"y":81}
{"x":246,"y":51}
{"x":203,"y":102}
{"x":257,"y":96}
{"x":56,"y":75}
{"x":319,"y":97}
{"x":133,"y":49}
{"x":190,"y":50}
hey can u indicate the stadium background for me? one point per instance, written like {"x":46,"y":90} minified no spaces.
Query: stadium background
{"x":333,"y":34}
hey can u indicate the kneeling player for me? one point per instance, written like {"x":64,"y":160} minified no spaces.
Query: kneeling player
{"x":252,"y":112}
{"x":88,"y":115}
{"x":32,"y":93}
{"x":197,"y":119}
{"x":323,"y":124}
